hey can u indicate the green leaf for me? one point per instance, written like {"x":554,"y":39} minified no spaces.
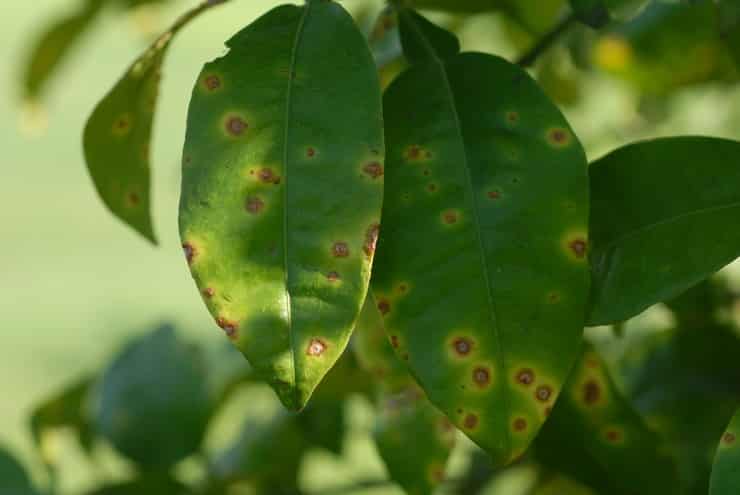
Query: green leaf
{"x":55,"y":44}
{"x":671,"y":378}
{"x":726,"y":472}
{"x":414,"y":440}
{"x":661,"y":213}
{"x":13,"y":477}
{"x":481,"y":271}
{"x":405,"y":416}
{"x":117,"y":137}
{"x":593,"y":13}
{"x":595,"y":436}
{"x":68,"y":409}
{"x":729,"y":20}
{"x":154,"y":393}
{"x":282,"y":189}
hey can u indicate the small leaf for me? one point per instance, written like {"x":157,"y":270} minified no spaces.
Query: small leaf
{"x":482,"y":273}
{"x":726,"y":472}
{"x":117,"y":137}
{"x":661,"y":213}
{"x":593,"y":13}
{"x":154,"y":393}
{"x":596,"y":437}
{"x":405,"y":416}
{"x":55,"y":44}
{"x":282,"y":189}
{"x":68,"y":409}
{"x":13,"y":477}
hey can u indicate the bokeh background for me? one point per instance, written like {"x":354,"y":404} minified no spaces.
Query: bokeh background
{"x":75,"y":284}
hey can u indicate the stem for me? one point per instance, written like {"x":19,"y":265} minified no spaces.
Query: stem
{"x":547,"y":40}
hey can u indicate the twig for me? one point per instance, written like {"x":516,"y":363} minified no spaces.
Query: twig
{"x":547,"y":40}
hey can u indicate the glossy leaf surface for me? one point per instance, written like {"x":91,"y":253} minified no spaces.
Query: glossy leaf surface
{"x":595,"y":436}
{"x":661,"y":213}
{"x":117,"y":137}
{"x":726,"y":472}
{"x":282,"y":189}
{"x":481,"y":272}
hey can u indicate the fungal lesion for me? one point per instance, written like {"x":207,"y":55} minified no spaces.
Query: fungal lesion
{"x":614,"y":435}
{"x":254,"y":204}
{"x":559,"y":137}
{"x":316,"y":347}
{"x":575,"y":244}
{"x":416,"y":153}
{"x":229,"y":326}
{"x":211,"y":82}
{"x":371,"y":239}
{"x":340,"y":249}
{"x":460,"y":346}
{"x":234,"y":125}
{"x":729,"y":438}
{"x":482,"y":376}
{"x":519,"y":424}
{"x":450,"y":217}
{"x":122,"y":124}
{"x":373,"y":169}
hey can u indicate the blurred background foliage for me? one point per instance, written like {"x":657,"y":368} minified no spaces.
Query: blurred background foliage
{"x":97,"y":391}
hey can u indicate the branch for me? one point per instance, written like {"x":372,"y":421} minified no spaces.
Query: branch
{"x":547,"y":40}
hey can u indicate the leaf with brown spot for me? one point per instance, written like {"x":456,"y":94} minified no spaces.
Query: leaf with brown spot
{"x":117,"y":135}
{"x":282,"y":198}
{"x":481,"y":266}
{"x":595,"y":436}
{"x":726,"y":471}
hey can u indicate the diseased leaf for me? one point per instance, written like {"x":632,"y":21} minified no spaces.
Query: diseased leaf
{"x":726,"y":472}
{"x":596,"y":437}
{"x":661,"y":217}
{"x":481,"y":272}
{"x":405,"y":417}
{"x":593,"y":13}
{"x":55,"y":44}
{"x":282,"y":189}
{"x":117,"y":136}
{"x":68,"y":409}
{"x":155,"y":393}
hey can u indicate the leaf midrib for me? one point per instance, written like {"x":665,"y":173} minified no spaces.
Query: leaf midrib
{"x":474,"y":208}
{"x":286,"y":140}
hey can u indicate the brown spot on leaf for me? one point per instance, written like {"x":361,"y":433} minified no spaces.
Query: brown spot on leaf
{"x":190,"y":252}
{"x":228,"y":326}
{"x":310,"y":152}
{"x":553,"y":297}
{"x":579,"y":247}
{"x":403,"y":288}
{"x":394,"y":341}
{"x":728,"y":438}
{"x":591,"y":392}
{"x":512,"y":117}
{"x":371,"y":239}
{"x":122,"y":125}
{"x":316,"y":347}
{"x":332,"y":276}
{"x":413,"y":152}
{"x":450,"y":217}
{"x":236,"y":126}
{"x":482,"y":376}
{"x":558,"y":136}
{"x":525,"y":376}
{"x":543,"y":393}
{"x":432,"y":187}
{"x":384,"y":306}
{"x":470,"y":421}
{"x":254,"y":205}
{"x":133,"y":199}
{"x":340,"y":250}
{"x":267,"y":176}
{"x":208,"y":292}
{"x":462,"y":346}
{"x":212,"y":82}
{"x":373,"y":169}
{"x":520,"y":424}
{"x":494,"y":194}
{"x":613,"y":436}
